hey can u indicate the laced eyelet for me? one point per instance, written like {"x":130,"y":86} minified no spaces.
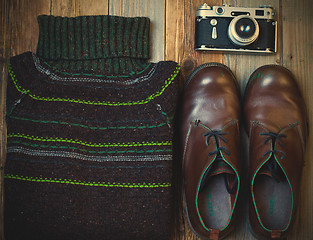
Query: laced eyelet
{"x":218,"y":136}
{"x":272,"y":165}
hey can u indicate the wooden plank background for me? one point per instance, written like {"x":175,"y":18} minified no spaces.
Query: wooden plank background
{"x":172,"y":36}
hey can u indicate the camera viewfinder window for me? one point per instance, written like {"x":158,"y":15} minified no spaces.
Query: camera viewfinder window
{"x":259,"y":12}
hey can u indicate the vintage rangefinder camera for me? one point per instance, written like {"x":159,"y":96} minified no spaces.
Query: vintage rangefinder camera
{"x":238,"y":29}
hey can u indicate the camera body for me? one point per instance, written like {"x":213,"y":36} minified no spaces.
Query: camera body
{"x":236,"y":29}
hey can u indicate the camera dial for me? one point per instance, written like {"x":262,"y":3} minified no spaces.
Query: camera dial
{"x":205,"y":7}
{"x":243,"y":30}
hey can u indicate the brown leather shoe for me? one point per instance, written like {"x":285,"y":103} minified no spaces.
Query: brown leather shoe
{"x":276,"y":123}
{"x":209,"y":127}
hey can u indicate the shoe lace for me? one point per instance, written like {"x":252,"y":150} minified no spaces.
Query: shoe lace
{"x":218,"y":135}
{"x":272,"y":165}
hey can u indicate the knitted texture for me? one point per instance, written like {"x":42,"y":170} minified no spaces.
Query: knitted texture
{"x":94,"y":43}
{"x":89,"y":156}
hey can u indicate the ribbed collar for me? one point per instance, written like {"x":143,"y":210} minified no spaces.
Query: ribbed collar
{"x":109,"y":44}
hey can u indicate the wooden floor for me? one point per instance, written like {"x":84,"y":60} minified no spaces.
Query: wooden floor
{"x":172,"y":33}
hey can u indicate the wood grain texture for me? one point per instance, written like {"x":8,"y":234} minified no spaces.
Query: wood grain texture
{"x":179,"y":35}
{"x":146,"y":8}
{"x":4,"y":36}
{"x":23,"y":27}
{"x":64,"y":8}
{"x":91,"y":7}
{"x":72,"y":8}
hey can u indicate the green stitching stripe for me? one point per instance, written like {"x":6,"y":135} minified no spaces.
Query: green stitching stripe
{"x":19,"y":88}
{"x":89,"y":144}
{"x":89,"y":127}
{"x":90,"y":151}
{"x":52,"y":99}
{"x":84,"y":183}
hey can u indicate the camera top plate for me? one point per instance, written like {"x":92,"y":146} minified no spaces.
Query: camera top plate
{"x":262,"y":12}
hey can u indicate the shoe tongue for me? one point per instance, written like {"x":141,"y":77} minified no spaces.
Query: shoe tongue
{"x":277,"y":173}
{"x":265,"y":171}
{"x":219,"y":166}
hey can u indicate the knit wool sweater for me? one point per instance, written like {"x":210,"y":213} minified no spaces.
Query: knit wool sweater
{"x":89,"y":133}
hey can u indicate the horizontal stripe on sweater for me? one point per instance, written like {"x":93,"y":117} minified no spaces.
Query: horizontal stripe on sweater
{"x":92,"y":158}
{"x":90,"y":151}
{"x":86,"y":183}
{"x":88,"y":144}
{"x":91,"y":127}
{"x":59,"y":161}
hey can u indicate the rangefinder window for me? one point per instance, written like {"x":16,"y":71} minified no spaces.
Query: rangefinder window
{"x":239,"y":13}
{"x":259,"y":12}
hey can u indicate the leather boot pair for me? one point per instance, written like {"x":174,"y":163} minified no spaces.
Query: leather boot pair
{"x":276,"y":123}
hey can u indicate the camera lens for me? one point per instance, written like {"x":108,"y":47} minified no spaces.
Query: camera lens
{"x":243,"y":30}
